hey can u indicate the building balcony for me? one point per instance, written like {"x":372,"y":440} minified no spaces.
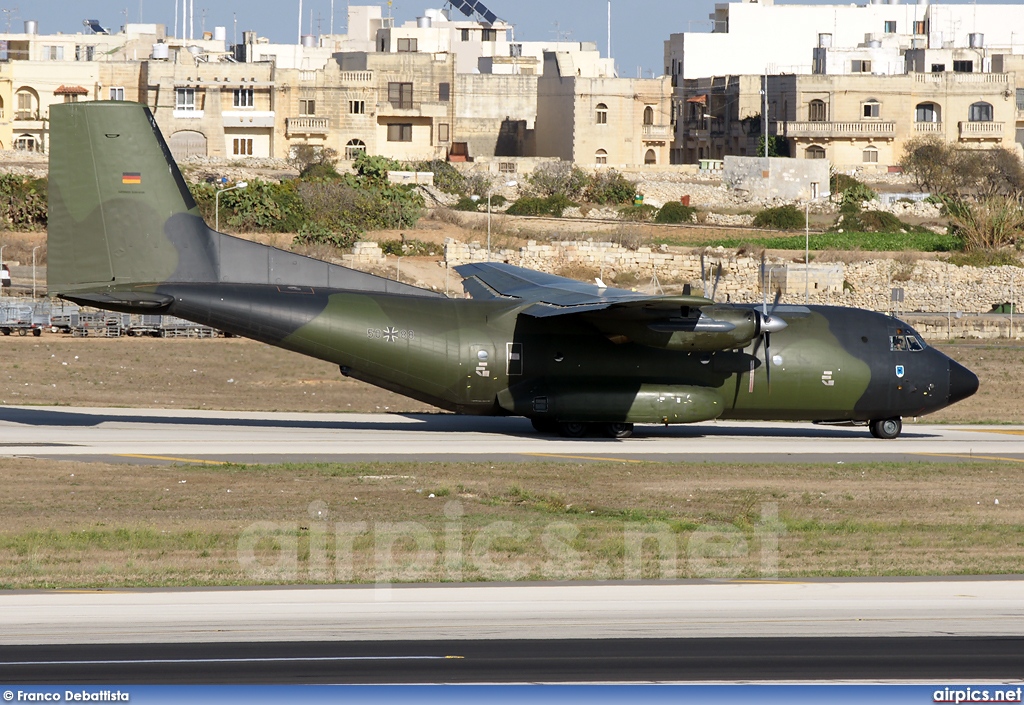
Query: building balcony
{"x":981,"y":130}
{"x":350,"y":77}
{"x":657,"y":132}
{"x":307,"y":125}
{"x":928,"y":128}
{"x":837,"y":130}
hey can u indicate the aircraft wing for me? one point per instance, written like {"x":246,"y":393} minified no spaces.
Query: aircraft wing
{"x":552,"y":295}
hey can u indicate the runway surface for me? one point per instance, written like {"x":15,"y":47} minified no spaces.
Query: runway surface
{"x":936,"y":660}
{"x":941,"y":630}
{"x":664,"y":610}
{"x":168,"y":436}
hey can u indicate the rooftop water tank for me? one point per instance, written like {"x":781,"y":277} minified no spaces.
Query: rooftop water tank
{"x":220,"y":34}
{"x":825,"y":40}
{"x":31,"y":27}
{"x":975,"y":40}
{"x":423,"y":22}
{"x":161,"y":51}
{"x":308,"y":41}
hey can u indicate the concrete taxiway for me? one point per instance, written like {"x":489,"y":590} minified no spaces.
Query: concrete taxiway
{"x":163,"y":435}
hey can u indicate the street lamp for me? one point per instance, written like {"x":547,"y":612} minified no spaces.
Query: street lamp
{"x":34,"y":271}
{"x":216,"y":202}
{"x":807,"y":241}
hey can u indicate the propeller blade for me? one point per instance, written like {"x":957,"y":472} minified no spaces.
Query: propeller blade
{"x":703,"y":276}
{"x":768,"y":359}
{"x":764,"y":288}
{"x":718,"y":278}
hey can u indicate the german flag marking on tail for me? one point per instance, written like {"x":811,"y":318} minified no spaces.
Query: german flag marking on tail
{"x":131,"y":177}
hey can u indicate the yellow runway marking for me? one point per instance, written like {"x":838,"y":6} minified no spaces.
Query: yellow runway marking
{"x":584,"y":457}
{"x":973,"y":457}
{"x":1007,"y":432}
{"x":176,"y":460}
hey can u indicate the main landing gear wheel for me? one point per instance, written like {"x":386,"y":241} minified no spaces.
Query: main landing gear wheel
{"x":573,"y":429}
{"x":886,"y":429}
{"x":545,"y":425}
{"x":617,"y":430}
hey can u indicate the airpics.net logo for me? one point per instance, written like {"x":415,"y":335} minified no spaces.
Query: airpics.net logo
{"x":978,"y":695}
{"x":320,"y":549}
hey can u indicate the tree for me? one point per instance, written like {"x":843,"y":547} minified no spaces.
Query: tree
{"x":957,"y":172}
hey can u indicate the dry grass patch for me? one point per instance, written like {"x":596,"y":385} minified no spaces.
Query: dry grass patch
{"x":76,"y":524}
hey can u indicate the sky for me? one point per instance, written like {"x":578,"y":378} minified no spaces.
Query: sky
{"x":639,"y":27}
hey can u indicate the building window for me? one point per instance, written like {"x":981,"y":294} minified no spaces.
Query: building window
{"x":444,"y":92}
{"x":465,"y":35}
{"x":926,"y":112}
{"x":602,"y":114}
{"x":53,"y":53}
{"x":921,"y":27}
{"x":938,"y":68}
{"x":963,"y":66}
{"x":815,"y":152}
{"x":860,"y":66}
{"x":25,"y":143}
{"x":489,"y":35}
{"x":243,"y":146}
{"x":601,"y":157}
{"x":357,"y":107}
{"x":870,"y":155}
{"x":84,"y":52}
{"x":307,"y":106}
{"x":651,"y":157}
{"x":980,"y":112}
{"x":817,"y":111}
{"x":871,"y":108}
{"x":648,"y":115}
{"x":70,"y":97}
{"x":185,"y":99}
{"x":400,"y":132}
{"x":444,"y":132}
{"x":354,"y":148}
{"x":400,"y":95}
{"x":507,"y":168}
{"x":26,"y":106}
{"x":406,"y":45}
{"x":1020,"y":99}
{"x":515,"y":50}
{"x":243,"y":98}
{"x":890,"y":26}
{"x":117,"y":93}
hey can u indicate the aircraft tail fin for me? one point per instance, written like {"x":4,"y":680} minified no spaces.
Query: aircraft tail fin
{"x":122,"y":219}
{"x":115,"y":196}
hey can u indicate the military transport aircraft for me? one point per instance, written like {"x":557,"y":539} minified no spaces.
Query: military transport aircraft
{"x":126,"y":235}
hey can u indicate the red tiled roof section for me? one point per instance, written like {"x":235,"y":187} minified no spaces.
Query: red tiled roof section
{"x":71,"y":90}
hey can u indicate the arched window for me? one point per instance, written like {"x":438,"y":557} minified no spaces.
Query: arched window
{"x":648,"y":115}
{"x":815,"y":152}
{"x":602,"y":114}
{"x":651,"y":157}
{"x":601,"y":157}
{"x":870,"y":155}
{"x":927,"y":112}
{"x":28,"y":105}
{"x":353,"y":148}
{"x":25,"y":143}
{"x":817,"y":111}
{"x":871,"y":108}
{"x":980,"y":112}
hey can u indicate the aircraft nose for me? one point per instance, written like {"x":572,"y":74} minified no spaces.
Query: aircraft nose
{"x":962,"y":382}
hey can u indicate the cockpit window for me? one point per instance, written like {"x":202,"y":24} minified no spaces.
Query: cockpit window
{"x":905,"y":341}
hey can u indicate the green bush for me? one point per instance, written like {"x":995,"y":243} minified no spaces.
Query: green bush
{"x":639,"y":214}
{"x":610,"y":187}
{"x":262,"y":206}
{"x":23,"y":202}
{"x":409,"y":248}
{"x":558,"y":178}
{"x":316,"y":234}
{"x":467,"y":204}
{"x":374,"y":168}
{"x":781,"y":218}
{"x":532,"y":205}
{"x":675,"y":212}
{"x":446,"y":177}
{"x":321,"y":170}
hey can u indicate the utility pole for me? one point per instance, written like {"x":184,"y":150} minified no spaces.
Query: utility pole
{"x":764,"y":111}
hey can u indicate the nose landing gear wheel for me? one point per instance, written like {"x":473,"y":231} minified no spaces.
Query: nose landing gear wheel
{"x":617,"y":430}
{"x":886,"y":429}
